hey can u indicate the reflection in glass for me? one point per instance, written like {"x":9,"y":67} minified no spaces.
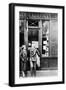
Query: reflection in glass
{"x":45,"y":38}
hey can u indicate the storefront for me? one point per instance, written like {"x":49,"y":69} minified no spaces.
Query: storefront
{"x":41,"y":29}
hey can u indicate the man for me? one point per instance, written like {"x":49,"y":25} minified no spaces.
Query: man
{"x":23,"y":56}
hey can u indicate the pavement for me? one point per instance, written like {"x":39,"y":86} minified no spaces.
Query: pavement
{"x":40,"y":73}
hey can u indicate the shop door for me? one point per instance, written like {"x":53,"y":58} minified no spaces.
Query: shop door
{"x":33,"y":36}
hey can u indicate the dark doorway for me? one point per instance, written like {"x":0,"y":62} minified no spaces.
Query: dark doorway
{"x":32,"y":35}
{"x":21,"y":38}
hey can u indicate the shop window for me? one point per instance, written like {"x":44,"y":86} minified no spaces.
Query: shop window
{"x":45,"y":38}
{"x":50,"y":38}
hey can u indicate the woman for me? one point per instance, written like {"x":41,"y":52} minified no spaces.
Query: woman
{"x":33,"y":61}
{"x":38,"y":58}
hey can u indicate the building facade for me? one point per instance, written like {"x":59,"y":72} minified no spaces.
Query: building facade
{"x":41,"y":29}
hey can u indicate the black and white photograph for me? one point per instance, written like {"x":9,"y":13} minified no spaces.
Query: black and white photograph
{"x":37,"y":44}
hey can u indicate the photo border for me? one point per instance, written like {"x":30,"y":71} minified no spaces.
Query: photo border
{"x":12,"y":43}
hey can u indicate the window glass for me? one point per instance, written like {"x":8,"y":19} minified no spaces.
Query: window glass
{"x":32,"y":22}
{"x":45,"y":38}
{"x":53,"y":38}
